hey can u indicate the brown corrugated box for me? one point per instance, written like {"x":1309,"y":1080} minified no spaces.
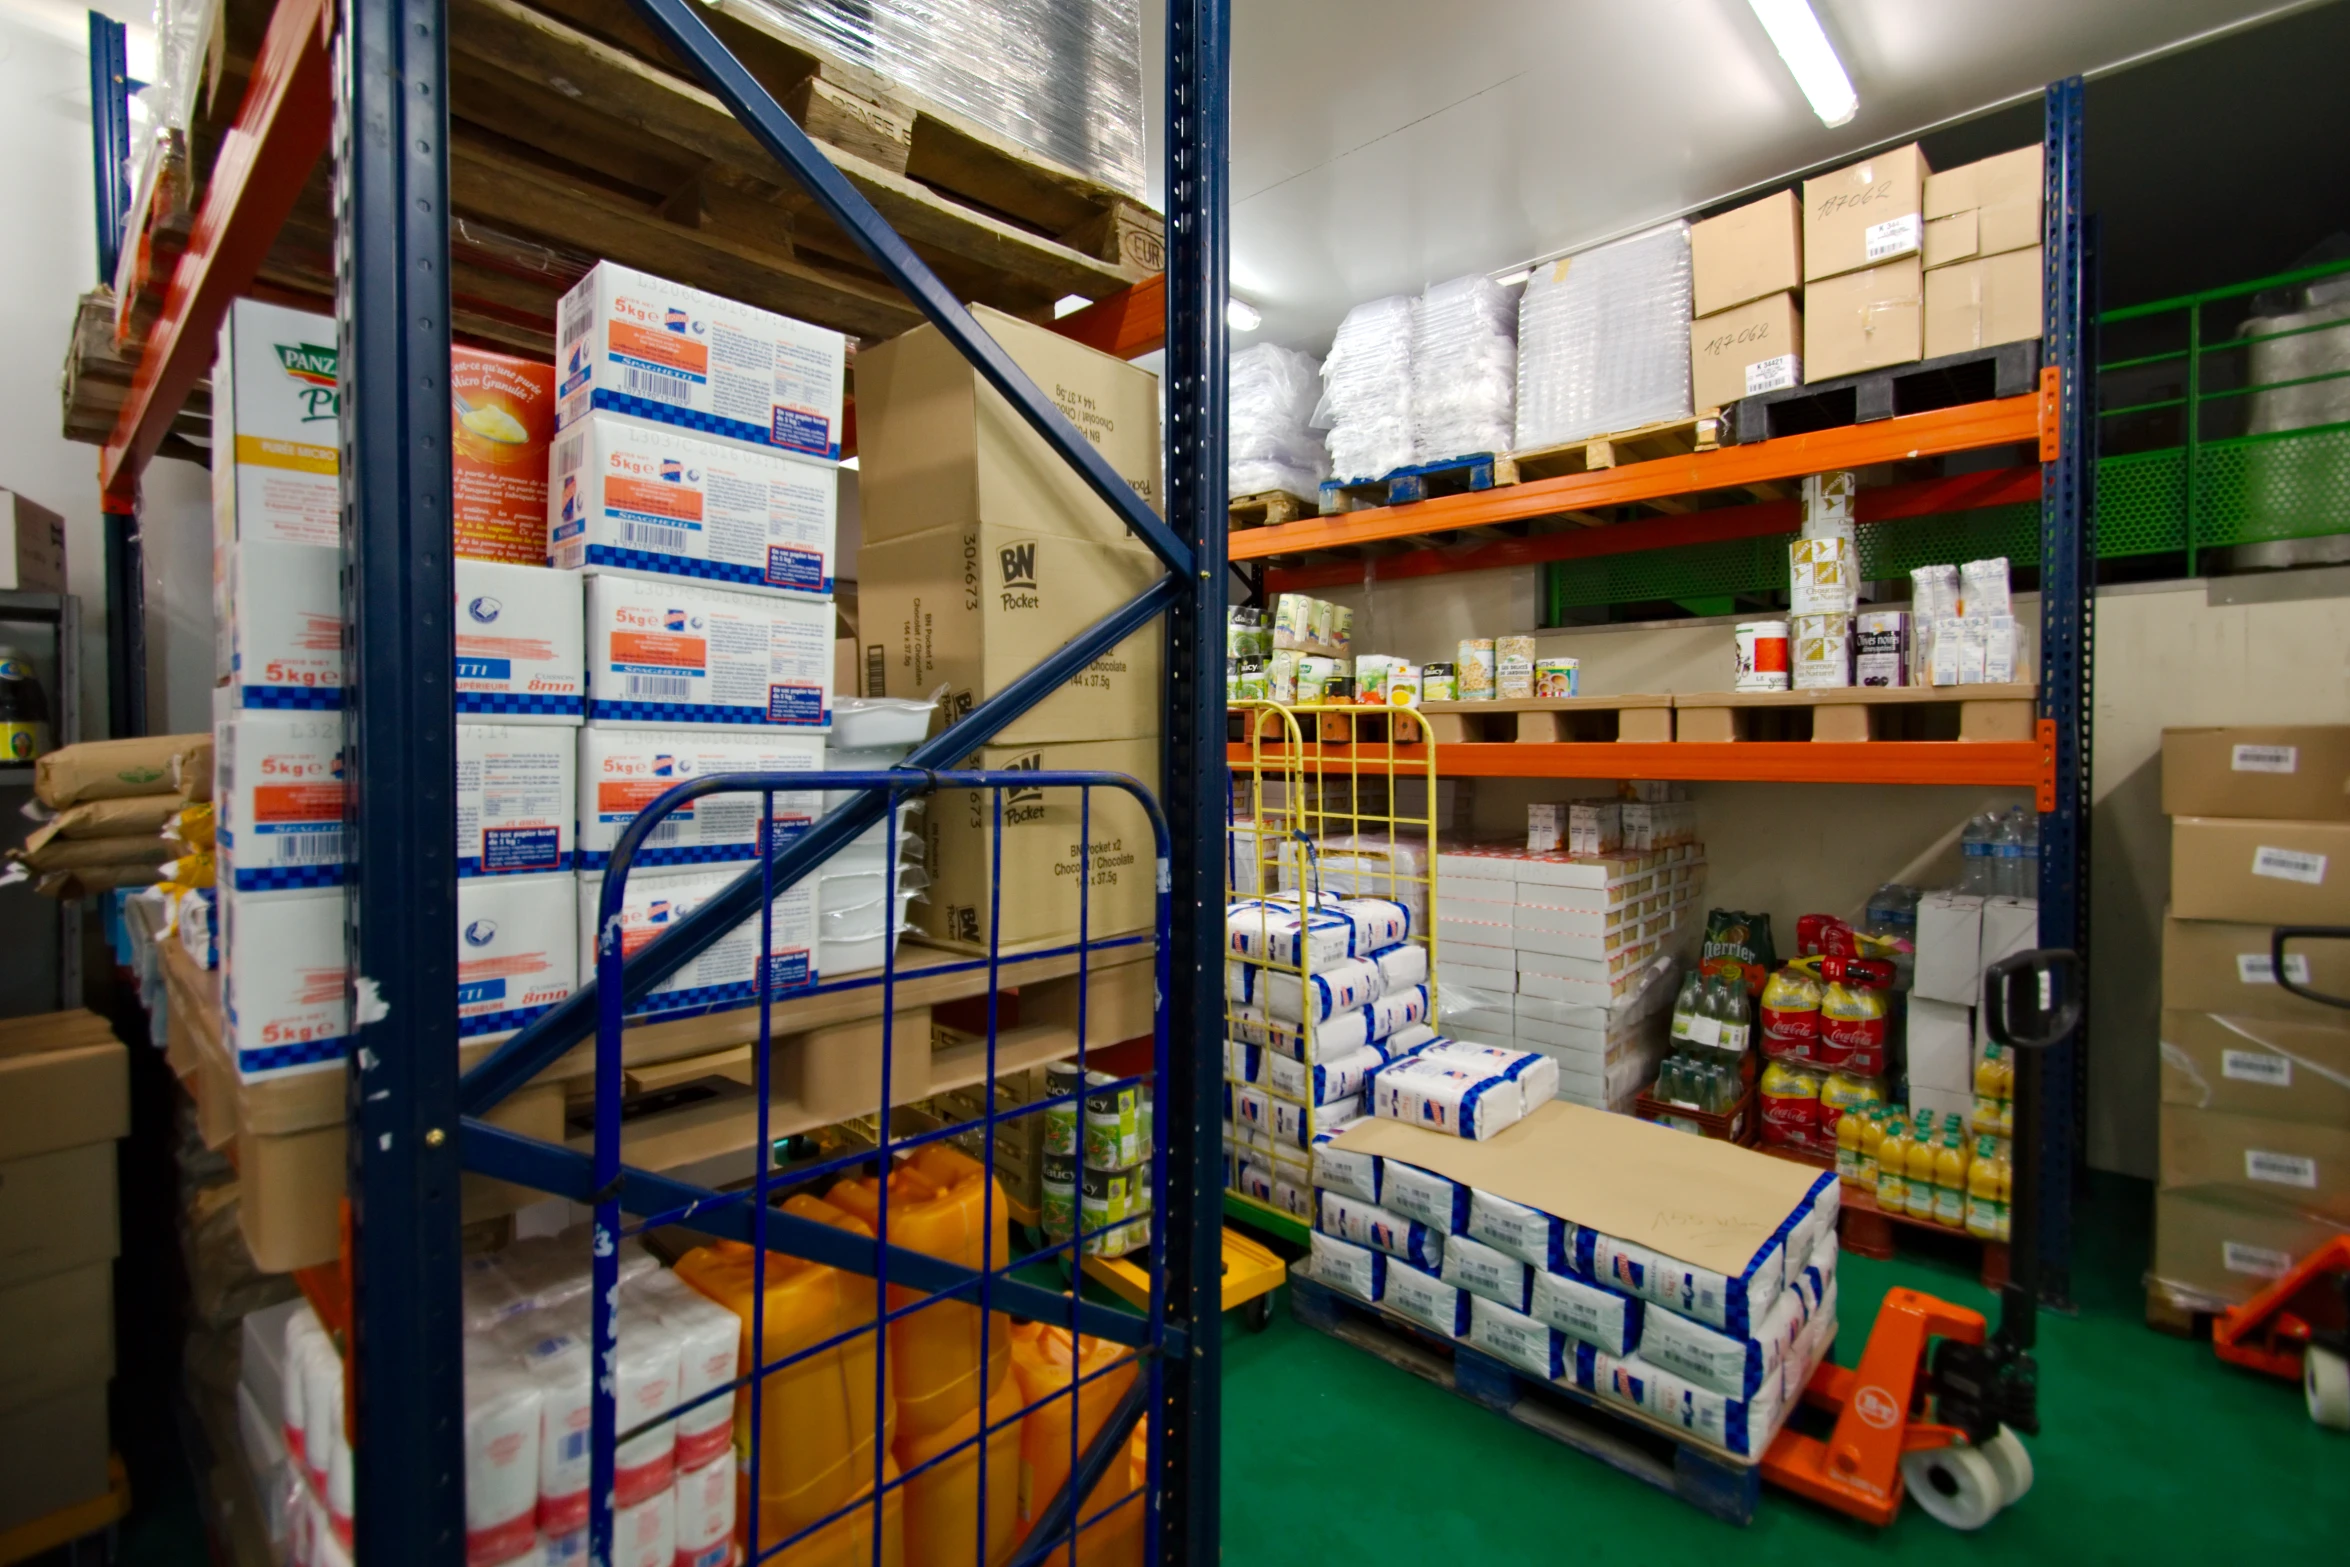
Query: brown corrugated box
{"x":57,"y":1211}
{"x":56,"y":1451}
{"x":64,"y":1081}
{"x":2257,"y":1066}
{"x":1985,"y":208}
{"x":56,"y":1334}
{"x":34,"y":561}
{"x":2226,"y":1249}
{"x":2276,"y":771}
{"x":2215,"y":966}
{"x":2252,"y":1156}
{"x":1864,"y":320}
{"x":1745,"y":254}
{"x":2260,"y":872}
{"x":1980,"y":304}
{"x":1865,"y":214}
{"x":1764,"y":334}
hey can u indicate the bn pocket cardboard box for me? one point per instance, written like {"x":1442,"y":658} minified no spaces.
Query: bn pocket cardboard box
{"x":2254,"y":1157}
{"x":938,"y":447}
{"x":2260,"y":872}
{"x":2226,"y":1248}
{"x":1981,"y":303}
{"x":1864,"y":320}
{"x":680,"y":655}
{"x":274,"y":427}
{"x":623,"y":770}
{"x":2289,"y":772}
{"x":975,"y":608}
{"x":32,"y":546}
{"x":1746,"y":254}
{"x":2213,"y":966}
{"x":1984,"y":209}
{"x":2252,"y":1066}
{"x":1746,"y":350}
{"x":1047,"y":856}
{"x":520,"y":644}
{"x":1864,"y":214}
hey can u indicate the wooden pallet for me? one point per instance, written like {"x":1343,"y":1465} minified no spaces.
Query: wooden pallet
{"x":1979,"y":375}
{"x":96,"y":381}
{"x":1666,"y":438}
{"x":1453,"y":476}
{"x":1866,"y":1230}
{"x":1270,"y":508}
{"x":1552,"y":720}
{"x":1847,"y":714}
{"x":2181,"y":1316}
{"x":1725,"y":1487}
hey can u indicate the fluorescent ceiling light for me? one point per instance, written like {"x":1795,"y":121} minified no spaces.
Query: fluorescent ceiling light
{"x":1242,"y":316}
{"x":1796,"y":32}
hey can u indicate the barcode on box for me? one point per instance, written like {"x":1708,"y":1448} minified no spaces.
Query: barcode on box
{"x":1772,"y":375}
{"x":1894,"y":237}
{"x":670,"y":830}
{"x":578,"y":311}
{"x":661,"y":385}
{"x":2266,"y":758}
{"x":2261,"y":1262}
{"x":311,"y":846}
{"x":2256,"y":1066}
{"x":652,"y":536}
{"x":2254,"y":968}
{"x":2280,"y":1169}
{"x":658,"y":688}
{"x":2289,"y":865}
{"x":876,"y":671}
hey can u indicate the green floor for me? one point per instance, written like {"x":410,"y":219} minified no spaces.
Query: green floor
{"x":2152,"y":1451}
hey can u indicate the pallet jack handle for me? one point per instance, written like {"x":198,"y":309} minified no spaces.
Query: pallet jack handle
{"x":2282,"y":966}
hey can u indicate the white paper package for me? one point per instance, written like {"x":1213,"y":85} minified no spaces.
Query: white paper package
{"x":514,"y":799}
{"x":644,"y":1534}
{"x":1401,"y":966}
{"x":1539,"y":1239}
{"x":1516,"y":1339}
{"x":1341,"y":1264}
{"x":1737,"y":1367}
{"x":1603,"y":340}
{"x":1478,"y":1268}
{"x":1426,"y":1299}
{"x":677,"y":654}
{"x":1367,"y":390}
{"x":1441,"y":1204}
{"x":1464,"y":369}
{"x":1323,"y":1084}
{"x":704,"y":1510}
{"x":709,"y":1339}
{"x":1536,"y":1074}
{"x":279,"y":630}
{"x":1587,"y":1312}
{"x":1272,"y":930}
{"x":1740,"y":1426}
{"x":623,"y":770}
{"x":1345,"y":985}
{"x":1272,"y":445}
{"x":1376,"y":1227}
{"x":726,"y":974}
{"x":520,"y":644}
{"x":1355,"y":1175}
{"x":1294,"y":1125}
{"x":502,"y":1426}
{"x":283,"y":982}
{"x":1267,"y":1184}
{"x":278,"y":784}
{"x":1444,"y":1096}
{"x":517,"y":950}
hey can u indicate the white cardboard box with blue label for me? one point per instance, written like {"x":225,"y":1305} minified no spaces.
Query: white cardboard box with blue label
{"x":520,"y":644}
{"x":681,"y":655}
{"x":278,"y":786}
{"x":517,"y":950}
{"x":623,"y":770}
{"x":726,"y":975}
{"x":514,"y":799}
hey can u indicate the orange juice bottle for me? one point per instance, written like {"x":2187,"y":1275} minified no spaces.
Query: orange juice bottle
{"x":1917,"y":1193}
{"x":1982,"y":1188}
{"x":1850,"y":1162}
{"x":1950,"y":1170}
{"x":1892,"y":1168}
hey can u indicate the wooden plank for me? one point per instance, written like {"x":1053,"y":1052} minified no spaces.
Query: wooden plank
{"x":1872,"y":696}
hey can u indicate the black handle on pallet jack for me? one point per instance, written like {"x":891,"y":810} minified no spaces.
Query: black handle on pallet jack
{"x":2032,"y":1001}
{"x":2280,"y":968}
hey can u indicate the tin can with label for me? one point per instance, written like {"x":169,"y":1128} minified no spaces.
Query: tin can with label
{"x":1113,"y":1125}
{"x":1476,"y":661}
{"x":1763,"y":655}
{"x":1556,"y":677}
{"x":1060,"y":1120}
{"x":1057,"y":1204}
{"x":1439,"y":683}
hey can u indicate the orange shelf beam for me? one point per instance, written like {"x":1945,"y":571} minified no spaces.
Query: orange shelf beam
{"x":2016,"y":764}
{"x":1126,"y":325}
{"x":2004,"y":422}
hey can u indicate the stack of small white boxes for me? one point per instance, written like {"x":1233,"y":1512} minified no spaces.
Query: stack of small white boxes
{"x":1566,"y":953}
{"x":1960,"y":935}
{"x":1721,"y":1355}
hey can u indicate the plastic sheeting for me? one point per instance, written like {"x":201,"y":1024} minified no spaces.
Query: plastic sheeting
{"x":1464,"y":369}
{"x":1061,"y":77}
{"x":1603,"y":340}
{"x":1367,"y":390}
{"x":1273,"y":447}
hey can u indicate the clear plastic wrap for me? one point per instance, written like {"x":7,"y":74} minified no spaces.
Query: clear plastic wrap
{"x":2314,"y":350}
{"x":1273,"y":446}
{"x":1603,"y":340}
{"x":1061,"y":77}
{"x":1367,"y":390}
{"x":1464,"y":369}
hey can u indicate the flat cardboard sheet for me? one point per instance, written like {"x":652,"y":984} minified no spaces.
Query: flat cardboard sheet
{"x":1693,"y":1199}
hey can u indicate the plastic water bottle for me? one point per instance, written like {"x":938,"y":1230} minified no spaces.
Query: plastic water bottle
{"x":1980,"y":852}
{"x":2028,"y":878}
{"x":2009,"y":858}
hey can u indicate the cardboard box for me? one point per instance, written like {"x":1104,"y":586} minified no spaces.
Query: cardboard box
{"x":515,"y":799}
{"x":938,"y":447}
{"x":1985,"y":208}
{"x":501,"y":420}
{"x":975,"y":608}
{"x":520,"y":644}
{"x":56,"y":1333}
{"x":683,"y":656}
{"x":1746,"y":350}
{"x":2295,"y":1162}
{"x":278,"y":792}
{"x":1976,"y":304}
{"x":517,"y":950}
{"x":1746,"y":254}
{"x":1822,"y":652}
{"x":727,"y":974}
{"x":33,"y":559}
{"x":1864,"y":320}
{"x":2010,"y":926}
{"x":1823,"y":576}
{"x":275,"y":432}
{"x":57,"y":1211}
{"x":847,"y":677}
{"x":64,"y":1083}
{"x":2288,"y":772}
{"x":57,"y":1449}
{"x":621,"y":771}
{"x":1121,"y":1002}
{"x":1950,"y":948}
{"x":283,"y":629}
{"x":633,"y":343}
{"x":1941,"y":1047}
{"x":2256,"y":1066}
{"x":282,"y":982}
{"x":1045,"y":860}
{"x":1864,"y":215}
{"x":2208,"y":966}
{"x":2227,"y":1249}
{"x":650,"y":498}
{"x":2260,"y":872}
{"x":835,"y":1072}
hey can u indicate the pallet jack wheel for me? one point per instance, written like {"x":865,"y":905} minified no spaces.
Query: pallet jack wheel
{"x":1957,"y":1486}
{"x":2013,"y":1461}
{"x":1259,"y":1314}
{"x":2325,"y":1382}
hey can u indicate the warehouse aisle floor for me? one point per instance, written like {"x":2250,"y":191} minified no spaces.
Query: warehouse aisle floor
{"x":2153,"y":1451}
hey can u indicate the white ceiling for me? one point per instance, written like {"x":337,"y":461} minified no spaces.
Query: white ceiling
{"x":1379,"y":145}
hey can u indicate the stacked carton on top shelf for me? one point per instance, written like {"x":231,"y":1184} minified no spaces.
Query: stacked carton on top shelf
{"x":1984,"y":281}
{"x":2255,"y":1167}
{"x":1748,"y":335}
{"x":1864,"y":282}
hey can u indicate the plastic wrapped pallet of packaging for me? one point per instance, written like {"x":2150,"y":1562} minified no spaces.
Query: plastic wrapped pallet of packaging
{"x":1367,"y":390}
{"x":1603,"y":340}
{"x":1273,"y":444}
{"x":1464,"y":369}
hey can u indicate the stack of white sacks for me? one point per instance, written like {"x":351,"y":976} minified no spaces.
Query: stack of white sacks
{"x":1273,"y":444}
{"x":1317,"y":998}
{"x":1603,"y":339}
{"x":1464,"y":369}
{"x":1566,"y":955}
{"x":528,"y":1359}
{"x":1720,"y":1356}
{"x":1367,"y":390}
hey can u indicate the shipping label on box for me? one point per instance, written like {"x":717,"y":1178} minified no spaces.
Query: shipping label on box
{"x":2260,"y":872}
{"x":1864,"y":214}
{"x":517,"y":950}
{"x":627,"y":342}
{"x":502,"y":418}
{"x":514,"y":799}
{"x":2208,"y":966}
{"x":275,"y":431}
{"x":648,"y":498}
{"x":520,"y":643}
{"x":726,"y":975}
{"x":284,"y":983}
{"x":1745,"y":351}
{"x":621,"y":771}
{"x":285,"y":625}
{"x":278,"y":782}
{"x":680,"y":655}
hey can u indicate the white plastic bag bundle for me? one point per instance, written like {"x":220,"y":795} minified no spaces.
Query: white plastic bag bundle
{"x":1436,"y":1201}
{"x":559,"y":1362}
{"x":502,"y":1423}
{"x":709,"y":1345}
{"x":1294,"y":1125}
{"x":704,"y":1515}
{"x":1464,"y":369}
{"x":644,"y":1533}
{"x":1367,"y":390}
{"x":1272,"y":931}
{"x":1741,"y":1426}
{"x":1329,"y":1039}
{"x":1401,"y":966}
{"x":1272,"y":443}
{"x":1541,"y":1240}
{"x":1446,"y":1096}
{"x":1326,"y":1083}
{"x":322,"y":1407}
{"x":1738,"y":1367}
{"x":1369,"y":1225}
{"x":1392,"y":1014}
{"x":302,"y":1329}
{"x":1603,"y":340}
{"x":1294,"y":998}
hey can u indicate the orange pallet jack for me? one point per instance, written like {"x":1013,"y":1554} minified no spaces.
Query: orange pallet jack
{"x":1933,"y":1406}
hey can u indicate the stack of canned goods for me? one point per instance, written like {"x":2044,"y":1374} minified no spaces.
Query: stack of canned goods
{"x":1097,"y":1161}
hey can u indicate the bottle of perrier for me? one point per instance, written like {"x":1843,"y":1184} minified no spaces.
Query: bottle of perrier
{"x":24,"y":709}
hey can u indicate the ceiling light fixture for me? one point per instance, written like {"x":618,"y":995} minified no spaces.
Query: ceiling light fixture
{"x":1242,"y":316}
{"x":1801,"y":43}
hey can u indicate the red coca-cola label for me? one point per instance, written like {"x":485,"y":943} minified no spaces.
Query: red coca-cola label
{"x":1790,"y":1120}
{"x":1857,"y":1042}
{"x":1789,"y":1035}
